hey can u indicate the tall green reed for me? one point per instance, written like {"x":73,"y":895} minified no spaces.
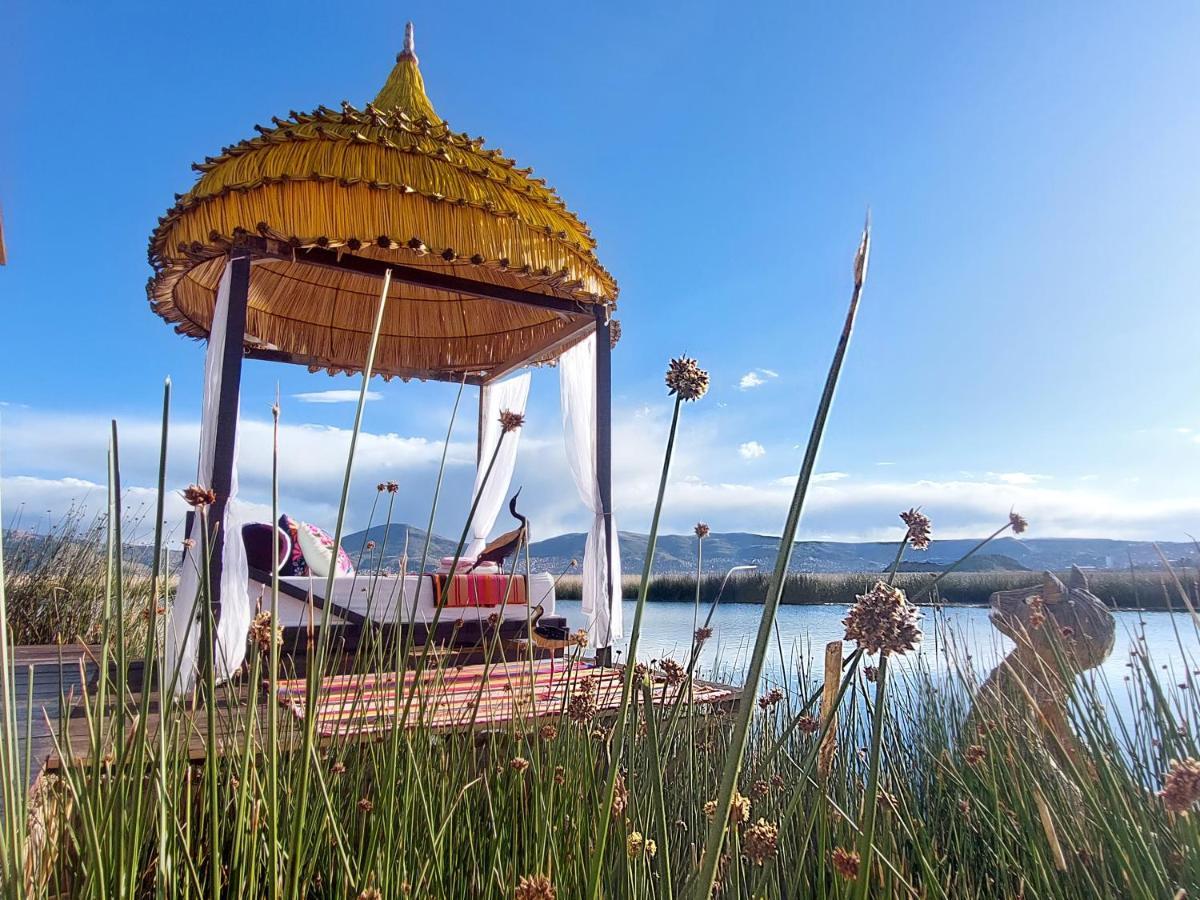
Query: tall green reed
{"x":703,"y":884}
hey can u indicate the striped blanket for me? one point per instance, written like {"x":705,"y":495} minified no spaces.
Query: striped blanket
{"x":480,"y":590}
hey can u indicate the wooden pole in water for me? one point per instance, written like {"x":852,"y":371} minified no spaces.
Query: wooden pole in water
{"x":833,"y":677}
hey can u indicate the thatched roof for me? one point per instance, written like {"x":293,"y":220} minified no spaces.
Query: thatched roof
{"x":389,"y":181}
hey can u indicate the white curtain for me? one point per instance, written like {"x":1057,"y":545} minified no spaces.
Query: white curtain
{"x":183,"y":629}
{"x":577,"y":392}
{"x":513,"y":395}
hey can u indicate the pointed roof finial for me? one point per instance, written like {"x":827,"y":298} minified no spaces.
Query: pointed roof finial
{"x":408,"y":52}
{"x":405,"y":89}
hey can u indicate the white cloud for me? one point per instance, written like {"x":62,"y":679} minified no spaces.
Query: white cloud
{"x":54,"y":460}
{"x":822,"y":477}
{"x":337,"y":396}
{"x":756,"y":378}
{"x":751,"y":450}
{"x":1017,"y":477}
{"x":58,"y":461}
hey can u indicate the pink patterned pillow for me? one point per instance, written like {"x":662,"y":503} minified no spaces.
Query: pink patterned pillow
{"x":318,"y":548}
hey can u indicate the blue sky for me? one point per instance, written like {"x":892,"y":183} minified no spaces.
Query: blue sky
{"x":1028,"y":335}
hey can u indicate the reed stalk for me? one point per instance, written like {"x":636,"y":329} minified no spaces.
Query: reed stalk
{"x":617,"y":741}
{"x":705,"y":878}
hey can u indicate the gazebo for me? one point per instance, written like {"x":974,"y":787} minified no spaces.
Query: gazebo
{"x":279,"y":252}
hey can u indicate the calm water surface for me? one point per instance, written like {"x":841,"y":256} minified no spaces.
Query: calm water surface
{"x":950,"y":633}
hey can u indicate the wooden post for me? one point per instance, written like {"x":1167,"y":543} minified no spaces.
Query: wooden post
{"x":227,"y":412}
{"x":833,"y":680}
{"x":604,"y":464}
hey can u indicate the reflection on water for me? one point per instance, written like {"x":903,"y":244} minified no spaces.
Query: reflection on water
{"x":1171,"y":639}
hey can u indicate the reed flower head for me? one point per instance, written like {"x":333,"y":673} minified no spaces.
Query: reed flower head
{"x":1017,"y":522}
{"x":549,"y":732}
{"x":370,"y":894}
{"x":198,"y":497}
{"x":701,"y":530}
{"x":883,"y":620}
{"x":620,"y":796}
{"x":1181,"y":786}
{"x":871,"y":673}
{"x":686,"y":379}
{"x":519,"y":764}
{"x":672,"y":671}
{"x":263,"y":634}
{"x":338,"y":768}
{"x":761,"y":842}
{"x":975,"y":754}
{"x":370,"y":545}
{"x":770,"y":698}
{"x":845,"y":863}
{"x":582,"y":707}
{"x":710,"y":809}
{"x":739,"y":809}
{"x":703,"y":633}
{"x":392,"y":487}
{"x":510,"y":420}
{"x":635,"y":844}
{"x":919,"y":528}
{"x":808,"y":724}
{"x":614,"y":332}
{"x":580,"y":638}
{"x":535,"y":887}
{"x":365,"y":805}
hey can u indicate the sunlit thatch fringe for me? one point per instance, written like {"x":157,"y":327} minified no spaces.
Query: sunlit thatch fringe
{"x":392,"y":181}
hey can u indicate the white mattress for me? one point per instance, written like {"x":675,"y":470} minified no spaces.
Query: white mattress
{"x":381,"y":599}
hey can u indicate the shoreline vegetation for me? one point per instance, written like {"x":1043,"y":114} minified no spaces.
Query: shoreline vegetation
{"x":56,"y":585}
{"x":1118,"y":590}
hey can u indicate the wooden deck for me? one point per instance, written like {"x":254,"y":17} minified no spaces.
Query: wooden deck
{"x":351,"y":707}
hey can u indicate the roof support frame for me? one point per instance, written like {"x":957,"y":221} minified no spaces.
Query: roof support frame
{"x":415,"y":275}
{"x":582,"y":316}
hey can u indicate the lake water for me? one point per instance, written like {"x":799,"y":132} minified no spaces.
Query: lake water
{"x":1171,"y":639}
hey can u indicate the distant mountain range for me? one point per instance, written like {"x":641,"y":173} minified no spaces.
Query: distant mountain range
{"x":677,"y":552}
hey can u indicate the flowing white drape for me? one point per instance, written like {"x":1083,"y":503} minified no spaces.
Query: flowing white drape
{"x":512,"y":394}
{"x":183,"y":628}
{"x":577,"y":392}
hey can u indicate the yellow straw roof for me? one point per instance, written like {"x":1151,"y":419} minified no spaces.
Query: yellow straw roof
{"x":393,"y":182}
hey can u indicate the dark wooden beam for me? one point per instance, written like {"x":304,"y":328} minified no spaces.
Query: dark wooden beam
{"x":227,"y":412}
{"x":366,"y":265}
{"x":543,"y":348}
{"x":298,"y":593}
{"x":604,"y":465}
{"x":269,"y":354}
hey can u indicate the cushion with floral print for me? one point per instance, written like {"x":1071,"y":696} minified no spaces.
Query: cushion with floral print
{"x":319,"y":552}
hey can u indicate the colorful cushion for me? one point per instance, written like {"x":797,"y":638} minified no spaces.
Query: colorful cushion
{"x":295,"y":566}
{"x":258,"y":538}
{"x":318,"y":548}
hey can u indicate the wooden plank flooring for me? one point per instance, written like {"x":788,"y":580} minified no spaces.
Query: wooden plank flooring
{"x":41,"y":677}
{"x":351,"y":707}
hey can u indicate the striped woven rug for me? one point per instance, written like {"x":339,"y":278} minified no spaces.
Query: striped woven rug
{"x":475,"y":696}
